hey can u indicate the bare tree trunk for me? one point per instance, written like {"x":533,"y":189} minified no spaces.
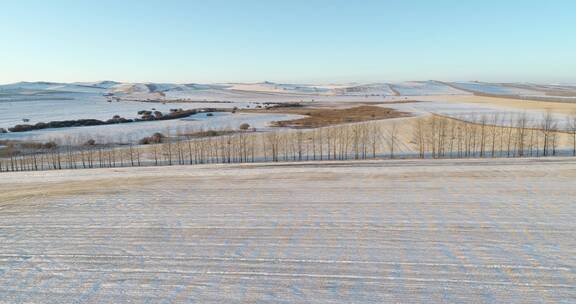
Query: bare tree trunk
{"x":393,"y":132}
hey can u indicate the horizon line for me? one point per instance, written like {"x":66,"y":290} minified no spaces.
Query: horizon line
{"x":283,"y":82}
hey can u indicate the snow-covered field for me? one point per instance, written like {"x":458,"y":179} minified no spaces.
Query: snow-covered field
{"x":70,"y":106}
{"x":491,"y":231}
{"x":133,"y":132}
{"x":423,"y":88}
{"x":25,"y":108}
{"x":498,"y":89}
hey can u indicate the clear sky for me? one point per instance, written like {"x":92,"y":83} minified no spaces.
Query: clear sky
{"x":288,"y":41}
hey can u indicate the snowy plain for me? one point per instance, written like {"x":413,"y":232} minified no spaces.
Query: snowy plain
{"x":433,"y":231}
{"x":133,"y":132}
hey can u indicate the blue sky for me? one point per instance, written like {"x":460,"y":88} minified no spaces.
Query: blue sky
{"x":288,"y":41}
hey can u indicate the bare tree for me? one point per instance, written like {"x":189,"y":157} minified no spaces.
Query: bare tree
{"x":392,"y":138}
{"x":548,"y":127}
{"x":571,"y":125}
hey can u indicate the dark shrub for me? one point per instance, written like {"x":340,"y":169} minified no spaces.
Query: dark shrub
{"x":154,"y":139}
{"x":21,"y":128}
{"x":50,"y":145}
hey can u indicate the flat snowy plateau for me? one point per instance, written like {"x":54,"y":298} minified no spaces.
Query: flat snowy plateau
{"x":491,"y":231}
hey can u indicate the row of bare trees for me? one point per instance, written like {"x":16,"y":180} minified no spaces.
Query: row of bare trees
{"x":354,"y":141}
{"x":481,"y":136}
{"x":492,"y":136}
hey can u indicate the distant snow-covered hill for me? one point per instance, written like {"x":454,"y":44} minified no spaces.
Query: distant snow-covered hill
{"x":263,"y":90}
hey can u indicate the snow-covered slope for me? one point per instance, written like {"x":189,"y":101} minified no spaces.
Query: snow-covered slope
{"x":106,"y":84}
{"x":31,"y":86}
{"x":416,"y":88}
{"x":380,"y":89}
{"x":279,"y":88}
{"x":51,"y":87}
{"x":270,"y":90}
{"x":497,"y":88}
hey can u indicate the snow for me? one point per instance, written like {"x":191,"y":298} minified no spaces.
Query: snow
{"x":133,"y":132}
{"x":279,"y":88}
{"x":436,"y":231}
{"x":71,"y":106}
{"x":283,"y":90}
{"x":44,"y":101}
{"x":15,"y":109}
{"x":51,"y":87}
{"x":30,"y":86}
{"x":497,"y":89}
{"x":128,"y":88}
{"x":380,"y":89}
{"x":420,"y":88}
{"x":241,"y":91}
{"x":560,"y":98}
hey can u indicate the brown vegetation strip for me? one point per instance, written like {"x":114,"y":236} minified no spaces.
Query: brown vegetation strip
{"x":322,"y":117}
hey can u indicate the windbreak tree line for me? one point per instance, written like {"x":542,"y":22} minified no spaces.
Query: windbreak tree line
{"x":481,"y":136}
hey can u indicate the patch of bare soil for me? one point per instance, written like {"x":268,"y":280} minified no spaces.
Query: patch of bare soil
{"x":322,"y":117}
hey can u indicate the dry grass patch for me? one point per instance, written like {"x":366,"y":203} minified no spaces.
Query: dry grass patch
{"x":322,"y":117}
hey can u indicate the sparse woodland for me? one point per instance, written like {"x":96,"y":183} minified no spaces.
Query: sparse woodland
{"x":424,"y":137}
